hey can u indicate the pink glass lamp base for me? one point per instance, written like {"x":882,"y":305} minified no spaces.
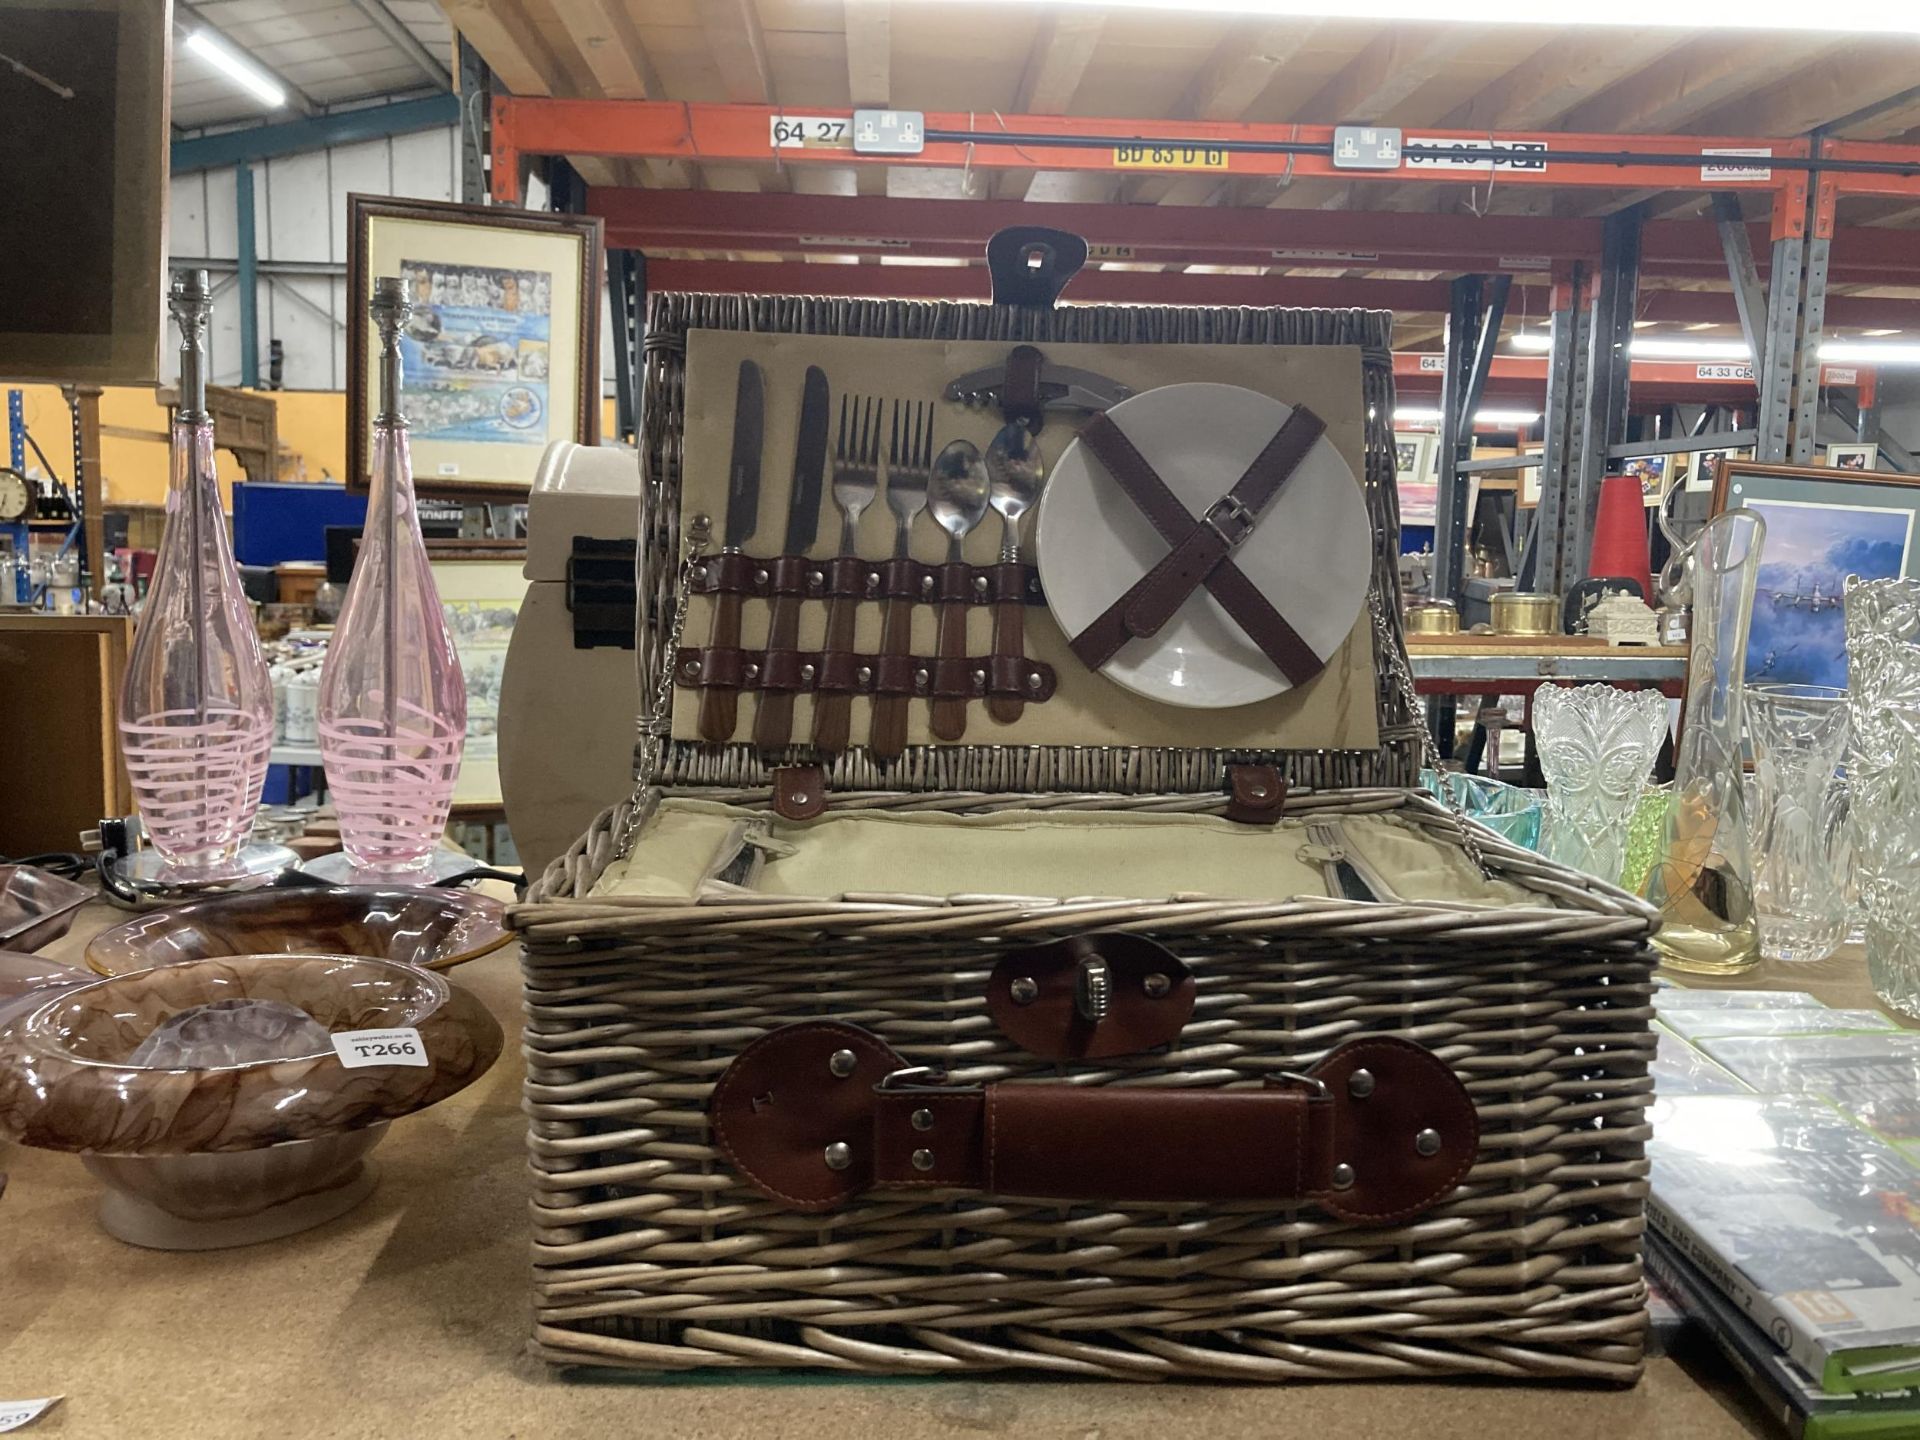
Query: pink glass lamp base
{"x":151,"y":877}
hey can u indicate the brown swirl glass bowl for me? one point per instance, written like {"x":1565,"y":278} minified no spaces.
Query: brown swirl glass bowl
{"x":227,"y":1154}
{"x":430,"y":928}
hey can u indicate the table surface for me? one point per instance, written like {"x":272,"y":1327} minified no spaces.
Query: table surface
{"x":408,"y":1317}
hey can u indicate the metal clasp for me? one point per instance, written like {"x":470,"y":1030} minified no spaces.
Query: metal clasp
{"x":1229,"y":507}
{"x":1092,"y":990}
{"x":914,"y":1077}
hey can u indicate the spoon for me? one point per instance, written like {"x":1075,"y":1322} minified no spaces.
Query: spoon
{"x":1016,"y":470}
{"x":957,"y":496}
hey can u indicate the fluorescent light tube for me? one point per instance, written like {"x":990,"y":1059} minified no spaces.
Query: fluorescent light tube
{"x":237,"y":68}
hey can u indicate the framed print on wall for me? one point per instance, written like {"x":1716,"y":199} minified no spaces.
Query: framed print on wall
{"x":1823,"y":526}
{"x":502,"y":354}
{"x":1853,"y":457}
{"x":1419,"y":491}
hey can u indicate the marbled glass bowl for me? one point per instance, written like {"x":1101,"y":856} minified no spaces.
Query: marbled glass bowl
{"x":433,"y":929}
{"x":266,"y":1136}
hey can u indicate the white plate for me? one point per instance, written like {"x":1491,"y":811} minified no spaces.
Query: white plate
{"x":1311,"y":554}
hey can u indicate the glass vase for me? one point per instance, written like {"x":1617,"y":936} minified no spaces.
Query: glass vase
{"x":1596,"y":745}
{"x":1883,"y":773}
{"x":196,"y":705}
{"x":1797,"y":734}
{"x":1702,"y":880}
{"x":393,"y":702}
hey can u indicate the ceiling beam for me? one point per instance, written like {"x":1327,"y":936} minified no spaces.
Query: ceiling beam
{"x":404,"y":40}
{"x":512,"y":48}
{"x":297,"y":99}
{"x":1818,"y":94}
{"x":609,"y":44}
{"x":1540,"y":91}
{"x":1668,"y":96}
{"x":1241,"y":68}
{"x":1395,"y":64}
{"x":739,"y":50}
{"x":869,"y":52}
{"x":1061,"y":52}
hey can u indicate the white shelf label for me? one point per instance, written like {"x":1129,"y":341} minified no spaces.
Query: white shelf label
{"x":809,"y":132}
{"x":1737,"y":172}
{"x":1723,"y":370}
{"x":18,"y":1414}
{"x":1501,"y":154}
{"x":359,"y":1049}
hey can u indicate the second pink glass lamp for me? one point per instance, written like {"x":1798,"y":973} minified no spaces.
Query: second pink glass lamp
{"x":393,"y":703}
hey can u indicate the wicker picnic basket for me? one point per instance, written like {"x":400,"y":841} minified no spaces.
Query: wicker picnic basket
{"x":652,"y":1251}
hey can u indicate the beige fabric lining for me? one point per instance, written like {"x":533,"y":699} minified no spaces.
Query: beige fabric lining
{"x":1048,"y":854}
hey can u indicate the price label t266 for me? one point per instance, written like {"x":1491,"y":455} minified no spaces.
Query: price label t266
{"x":358,"y":1049}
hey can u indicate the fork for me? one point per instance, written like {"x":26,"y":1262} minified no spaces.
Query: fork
{"x":909,"y":463}
{"x":856,"y":480}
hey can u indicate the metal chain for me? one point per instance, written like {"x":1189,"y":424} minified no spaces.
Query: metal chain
{"x":1400,"y":673}
{"x":656,"y":716}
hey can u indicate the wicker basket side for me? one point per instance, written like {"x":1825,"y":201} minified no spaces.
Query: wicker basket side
{"x":1395,"y":761}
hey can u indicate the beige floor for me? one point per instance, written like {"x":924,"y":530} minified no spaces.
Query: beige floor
{"x":407,"y":1317}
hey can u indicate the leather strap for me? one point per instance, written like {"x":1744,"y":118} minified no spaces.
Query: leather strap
{"x":840,"y":672}
{"x":1256,"y":794}
{"x":815,"y":1113}
{"x":1201,"y":549}
{"x":849,"y":577}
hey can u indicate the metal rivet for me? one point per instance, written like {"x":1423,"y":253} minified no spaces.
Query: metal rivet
{"x":1360,"y":1084}
{"x":1024,"y":991}
{"x":920,"y":679}
{"x":1034,"y":682}
{"x":751,"y":671}
{"x":692,"y":667}
{"x":923,"y":1159}
{"x":873,"y":580}
{"x":1157,"y":985}
{"x":865,"y":673}
{"x":1427,"y":1142}
{"x":759,"y":577}
{"x":926,"y":582}
{"x":1257,"y":792}
{"x":923,"y":1119}
{"x":814,"y":577}
{"x":841,"y":1063}
{"x":839,"y":1155}
{"x":979,"y":679}
{"x":1343,"y":1177}
{"x":798,"y":797}
{"x":700,"y":573}
{"x":806,"y":672}
{"x":980,"y":583}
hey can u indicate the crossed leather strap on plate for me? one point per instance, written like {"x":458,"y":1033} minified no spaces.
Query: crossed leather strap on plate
{"x":1202,"y":549}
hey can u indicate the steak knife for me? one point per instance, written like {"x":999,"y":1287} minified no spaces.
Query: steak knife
{"x":773,"y":718}
{"x":718,"y":706}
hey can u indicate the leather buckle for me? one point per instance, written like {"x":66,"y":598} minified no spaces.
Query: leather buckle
{"x":1229,"y":507}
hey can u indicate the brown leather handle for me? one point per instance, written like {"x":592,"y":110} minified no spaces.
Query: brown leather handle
{"x":773,"y":714}
{"x":719,"y":707}
{"x":814,"y":1113}
{"x":888,"y":739}
{"x":833,"y":710}
{"x":1009,"y":638}
{"x":949,"y":718}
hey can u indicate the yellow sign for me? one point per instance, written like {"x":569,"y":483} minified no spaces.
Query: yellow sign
{"x":1168,"y":157}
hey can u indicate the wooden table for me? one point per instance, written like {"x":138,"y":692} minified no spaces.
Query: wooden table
{"x":408,"y":1317}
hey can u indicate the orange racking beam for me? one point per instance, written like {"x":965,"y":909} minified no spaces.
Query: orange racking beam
{"x":638,"y":129}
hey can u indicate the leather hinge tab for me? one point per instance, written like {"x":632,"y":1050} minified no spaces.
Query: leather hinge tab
{"x":799,"y":792}
{"x":1256,"y":794}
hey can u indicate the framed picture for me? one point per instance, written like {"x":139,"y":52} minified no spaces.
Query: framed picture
{"x":481,"y":590}
{"x":1651,"y":472}
{"x":1852,"y":457}
{"x":1419,"y":485}
{"x":502,"y":354}
{"x":1822,"y":527}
